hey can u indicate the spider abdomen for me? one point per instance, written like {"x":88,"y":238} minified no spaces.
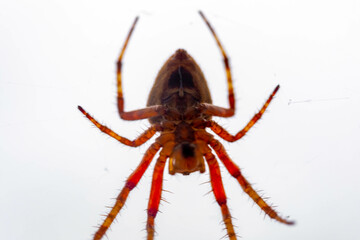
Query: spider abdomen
{"x":179,"y":85}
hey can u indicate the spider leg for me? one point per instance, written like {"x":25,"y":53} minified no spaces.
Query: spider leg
{"x":223,"y":112}
{"x":234,"y":170}
{"x":156,"y":189}
{"x":219,"y":192}
{"x":144,"y":137}
{"x":140,"y":113}
{"x":221,"y":132}
{"x":131,"y":182}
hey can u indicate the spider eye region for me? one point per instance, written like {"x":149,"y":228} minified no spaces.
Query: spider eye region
{"x":185,"y":159}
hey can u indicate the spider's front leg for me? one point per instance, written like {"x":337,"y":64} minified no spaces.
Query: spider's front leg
{"x":131,"y":182}
{"x":234,"y":170}
{"x":218,"y":189}
{"x":156,"y":189}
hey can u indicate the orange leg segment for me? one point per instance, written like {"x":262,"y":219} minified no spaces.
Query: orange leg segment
{"x":230,"y":111}
{"x":219,"y":192}
{"x":155,"y":196}
{"x":131,"y":182}
{"x":234,"y":170}
{"x":137,"y":114}
{"x":145,"y":136}
{"x":156,"y":186}
{"x":221,"y":132}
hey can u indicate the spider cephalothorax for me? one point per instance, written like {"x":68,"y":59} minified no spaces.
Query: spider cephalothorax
{"x":180,"y":108}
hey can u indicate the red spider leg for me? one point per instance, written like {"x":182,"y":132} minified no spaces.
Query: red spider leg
{"x":221,"y":132}
{"x":215,"y":110}
{"x":145,"y":136}
{"x":219,"y":192}
{"x":140,"y":113}
{"x":156,"y":189}
{"x":131,"y":182}
{"x":234,"y":170}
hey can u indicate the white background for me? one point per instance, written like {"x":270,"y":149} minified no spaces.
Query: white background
{"x":58,"y":172}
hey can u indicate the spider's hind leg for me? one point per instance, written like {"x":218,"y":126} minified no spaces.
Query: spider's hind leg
{"x":148,"y":112}
{"x":222,"y":112}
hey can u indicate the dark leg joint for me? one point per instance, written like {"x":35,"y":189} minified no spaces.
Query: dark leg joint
{"x":152,"y":212}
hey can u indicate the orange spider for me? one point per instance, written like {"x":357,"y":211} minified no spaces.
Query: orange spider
{"x":180,"y":108}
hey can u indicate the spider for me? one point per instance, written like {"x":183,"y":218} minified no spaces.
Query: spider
{"x":180,"y":108}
